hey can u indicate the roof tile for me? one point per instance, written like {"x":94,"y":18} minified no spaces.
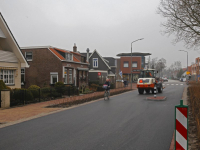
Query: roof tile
{"x":57,"y":54}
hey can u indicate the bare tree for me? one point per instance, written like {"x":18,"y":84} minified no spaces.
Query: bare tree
{"x":183,"y":20}
{"x":160,"y":65}
{"x":153,"y":63}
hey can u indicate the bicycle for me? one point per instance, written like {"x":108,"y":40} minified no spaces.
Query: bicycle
{"x":106,"y":94}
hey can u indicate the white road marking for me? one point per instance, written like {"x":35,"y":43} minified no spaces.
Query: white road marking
{"x":181,"y":84}
{"x":163,"y":84}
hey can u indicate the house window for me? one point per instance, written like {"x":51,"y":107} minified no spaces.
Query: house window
{"x":70,"y":76}
{"x":22,"y":76}
{"x":125,"y":64}
{"x":134,"y":64}
{"x":95,"y":62}
{"x":68,"y":56}
{"x":7,"y":76}
{"x":65,"y":76}
{"x":29,"y":56}
{"x":54,"y":77}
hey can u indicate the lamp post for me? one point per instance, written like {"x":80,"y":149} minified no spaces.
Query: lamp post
{"x":131,"y":60}
{"x":187,"y":57}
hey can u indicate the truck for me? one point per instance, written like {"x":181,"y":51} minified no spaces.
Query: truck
{"x":148,"y":80}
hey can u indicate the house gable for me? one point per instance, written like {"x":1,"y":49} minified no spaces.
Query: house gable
{"x":102,"y":65}
{"x":8,"y":42}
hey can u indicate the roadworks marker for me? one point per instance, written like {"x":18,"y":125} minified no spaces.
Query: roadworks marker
{"x":181,"y":126}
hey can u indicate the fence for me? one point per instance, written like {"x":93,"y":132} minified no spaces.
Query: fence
{"x":27,"y":96}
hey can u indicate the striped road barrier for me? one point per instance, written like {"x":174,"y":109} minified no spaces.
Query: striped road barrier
{"x":181,"y":126}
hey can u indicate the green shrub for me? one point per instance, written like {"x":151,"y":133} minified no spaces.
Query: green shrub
{"x":34,"y":89}
{"x":8,"y":88}
{"x":94,"y":87}
{"x":2,"y":85}
{"x":60,"y":87}
{"x":47,"y":92}
{"x":93,"y":82}
{"x":19,"y":94}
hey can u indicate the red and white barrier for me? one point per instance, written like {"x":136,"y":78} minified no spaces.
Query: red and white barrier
{"x":181,"y":127}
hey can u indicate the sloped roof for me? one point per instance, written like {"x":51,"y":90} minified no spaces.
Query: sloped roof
{"x":11,"y":43}
{"x":100,"y":57}
{"x":75,"y":59}
{"x":56,"y":53}
{"x":61,"y":50}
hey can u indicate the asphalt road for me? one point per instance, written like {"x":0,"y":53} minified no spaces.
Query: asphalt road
{"x":126,"y":121}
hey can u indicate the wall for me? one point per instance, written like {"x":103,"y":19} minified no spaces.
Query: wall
{"x":128,"y":69}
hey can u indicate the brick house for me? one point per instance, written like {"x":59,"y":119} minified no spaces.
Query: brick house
{"x":124,"y":65}
{"x":49,"y":65}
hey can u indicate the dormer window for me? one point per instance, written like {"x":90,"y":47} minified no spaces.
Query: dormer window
{"x":68,"y":56}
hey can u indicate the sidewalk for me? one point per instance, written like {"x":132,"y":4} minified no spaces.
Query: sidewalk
{"x":18,"y":114}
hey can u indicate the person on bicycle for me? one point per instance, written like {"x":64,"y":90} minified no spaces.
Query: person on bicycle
{"x":108,"y":84}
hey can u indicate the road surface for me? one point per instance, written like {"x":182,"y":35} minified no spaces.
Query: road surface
{"x":126,"y":121}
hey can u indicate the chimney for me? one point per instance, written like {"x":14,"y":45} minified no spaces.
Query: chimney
{"x":75,"y":48}
{"x":87,"y":54}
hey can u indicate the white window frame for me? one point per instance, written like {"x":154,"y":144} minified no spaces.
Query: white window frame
{"x":97,"y":63}
{"x":53,"y":74}
{"x":31,"y":55}
{"x":70,"y":75}
{"x":133,"y":64}
{"x":68,"y":56}
{"x":124,"y":64}
{"x":23,"y":73}
{"x":7,"y":73}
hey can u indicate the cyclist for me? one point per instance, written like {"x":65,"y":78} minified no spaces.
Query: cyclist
{"x":108,"y":84}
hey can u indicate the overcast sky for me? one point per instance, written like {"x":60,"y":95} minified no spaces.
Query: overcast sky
{"x":109,"y":26}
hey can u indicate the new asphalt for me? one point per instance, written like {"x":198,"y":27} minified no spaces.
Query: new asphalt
{"x":126,"y":121}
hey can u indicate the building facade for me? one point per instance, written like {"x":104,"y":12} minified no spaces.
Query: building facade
{"x":100,"y":67}
{"x":124,"y":65}
{"x":11,"y":58}
{"x":49,"y":65}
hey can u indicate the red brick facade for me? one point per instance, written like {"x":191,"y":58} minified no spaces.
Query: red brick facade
{"x":45,"y":62}
{"x":127,"y":70}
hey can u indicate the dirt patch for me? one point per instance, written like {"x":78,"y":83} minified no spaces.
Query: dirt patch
{"x":158,"y":98}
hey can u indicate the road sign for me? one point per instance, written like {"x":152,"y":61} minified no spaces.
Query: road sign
{"x":181,"y":126}
{"x":99,"y":73}
{"x":187,"y":72}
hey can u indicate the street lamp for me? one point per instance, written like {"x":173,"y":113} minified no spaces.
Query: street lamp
{"x":187,"y":57}
{"x":131,"y":59}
